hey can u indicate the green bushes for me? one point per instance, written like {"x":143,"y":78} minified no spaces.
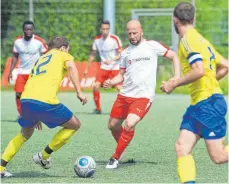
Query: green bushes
{"x":79,"y":21}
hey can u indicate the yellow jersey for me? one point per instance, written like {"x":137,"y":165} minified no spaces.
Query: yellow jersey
{"x":46,"y":76}
{"x":194,"y":47}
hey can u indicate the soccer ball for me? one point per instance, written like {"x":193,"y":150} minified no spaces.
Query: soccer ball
{"x":85,"y":166}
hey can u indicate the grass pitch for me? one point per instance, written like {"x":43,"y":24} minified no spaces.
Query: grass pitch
{"x":152,"y":147}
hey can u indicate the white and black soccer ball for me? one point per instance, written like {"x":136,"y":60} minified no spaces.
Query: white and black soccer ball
{"x":85,"y":167}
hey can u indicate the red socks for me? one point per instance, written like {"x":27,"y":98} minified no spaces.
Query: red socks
{"x":96,"y":95}
{"x":117,"y":134}
{"x":123,"y":142}
{"x":18,"y":103}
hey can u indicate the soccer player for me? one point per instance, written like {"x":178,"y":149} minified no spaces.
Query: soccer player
{"x":109,"y":48}
{"x":138,"y":71}
{"x":28,"y":49}
{"x":202,"y":66}
{"x":39,"y":103}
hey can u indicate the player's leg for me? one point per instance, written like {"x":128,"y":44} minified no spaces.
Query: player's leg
{"x":136,"y":111}
{"x":18,"y":103}
{"x":101,"y":76}
{"x":61,"y":137}
{"x":19,"y":88}
{"x":96,"y":97}
{"x":115,"y":126}
{"x":13,"y":147}
{"x":27,"y":122}
{"x":217,"y":151}
{"x":125,"y":138}
{"x":215,"y":135}
{"x":185,"y":163}
{"x":118,"y":114}
{"x":53,"y":116}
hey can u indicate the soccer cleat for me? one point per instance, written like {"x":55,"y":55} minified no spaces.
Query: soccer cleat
{"x":96,"y":111}
{"x":46,"y":164}
{"x":6,"y":174}
{"x":112,"y":164}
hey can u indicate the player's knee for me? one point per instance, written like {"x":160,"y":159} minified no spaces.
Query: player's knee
{"x":128,"y":125}
{"x":219,"y":157}
{"x":27,"y":133}
{"x":18,"y":95}
{"x":96,"y":86}
{"x":77,"y":123}
{"x":110,"y":126}
{"x":217,"y":160}
{"x":181,"y":148}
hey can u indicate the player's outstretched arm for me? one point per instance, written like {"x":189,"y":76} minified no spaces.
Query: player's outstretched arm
{"x":171,"y":55}
{"x":222,"y":69}
{"x":74,"y":76}
{"x":194,"y":74}
{"x":116,"y":80}
{"x":90,"y":60}
{"x":13,"y":64}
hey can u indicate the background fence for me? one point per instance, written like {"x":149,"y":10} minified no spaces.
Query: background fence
{"x":79,"y":21}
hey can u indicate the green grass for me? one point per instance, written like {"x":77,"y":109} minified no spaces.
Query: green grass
{"x":152,"y":146}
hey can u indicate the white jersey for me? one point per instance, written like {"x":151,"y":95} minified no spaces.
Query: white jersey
{"x":140,"y":63}
{"x":29,"y":52}
{"x":108,"y":50}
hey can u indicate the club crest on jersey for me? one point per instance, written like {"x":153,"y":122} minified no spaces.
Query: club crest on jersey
{"x":129,"y":62}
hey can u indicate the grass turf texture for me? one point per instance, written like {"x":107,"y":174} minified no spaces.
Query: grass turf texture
{"x":152,"y":147}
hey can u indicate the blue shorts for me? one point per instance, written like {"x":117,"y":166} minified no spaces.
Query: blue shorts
{"x":207,"y":118}
{"x":51,"y":115}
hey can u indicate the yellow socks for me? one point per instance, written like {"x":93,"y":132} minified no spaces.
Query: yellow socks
{"x":186,"y":169}
{"x":13,"y":147}
{"x":2,"y":168}
{"x":60,"y":139}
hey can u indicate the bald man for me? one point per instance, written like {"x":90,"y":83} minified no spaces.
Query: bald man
{"x":138,"y":70}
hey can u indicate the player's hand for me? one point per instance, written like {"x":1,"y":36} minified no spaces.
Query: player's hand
{"x":10,"y":77}
{"x":108,"y":62}
{"x":85,"y":73}
{"x":38,"y":126}
{"x":168,"y":86}
{"x":82,"y":98}
{"x":107,"y":84}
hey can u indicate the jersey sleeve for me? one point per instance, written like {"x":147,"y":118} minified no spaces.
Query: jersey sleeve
{"x":15,"y":48}
{"x":118,"y":43}
{"x":67,"y":57}
{"x":159,"y":48}
{"x":43,"y":47}
{"x":123,"y":62}
{"x":191,"y":49}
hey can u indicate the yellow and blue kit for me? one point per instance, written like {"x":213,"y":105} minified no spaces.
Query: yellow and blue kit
{"x":206,"y":114}
{"x":39,"y":99}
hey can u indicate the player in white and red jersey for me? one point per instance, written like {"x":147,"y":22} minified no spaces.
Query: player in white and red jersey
{"x":109,"y":48}
{"x":28,"y":49}
{"x":138,"y":70}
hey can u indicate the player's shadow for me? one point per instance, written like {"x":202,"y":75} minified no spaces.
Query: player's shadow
{"x":91,"y":113}
{"x":128,"y":162}
{"x":34,"y":174}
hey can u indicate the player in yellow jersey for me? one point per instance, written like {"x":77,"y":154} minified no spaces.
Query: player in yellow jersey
{"x":39,"y":103}
{"x":202,"y":66}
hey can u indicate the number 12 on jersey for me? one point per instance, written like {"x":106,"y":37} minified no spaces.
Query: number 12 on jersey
{"x":40,"y":68}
